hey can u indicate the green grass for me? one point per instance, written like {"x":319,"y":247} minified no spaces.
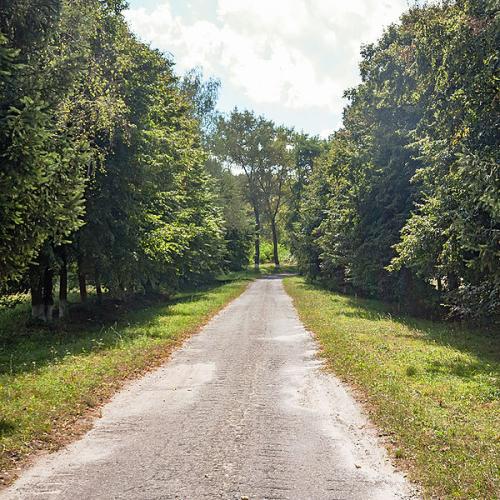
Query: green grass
{"x":432,"y":388}
{"x":50,"y":377}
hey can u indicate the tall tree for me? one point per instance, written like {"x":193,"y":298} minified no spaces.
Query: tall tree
{"x":306,"y":152}
{"x":263,"y":152}
{"x":43,"y":153}
{"x":238,"y":233}
{"x":103,"y":164}
{"x":236,"y":143}
{"x":412,"y":187}
{"x":453,"y":236}
{"x":273,"y":173}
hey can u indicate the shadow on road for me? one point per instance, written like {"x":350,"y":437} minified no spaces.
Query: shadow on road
{"x":277,"y":276}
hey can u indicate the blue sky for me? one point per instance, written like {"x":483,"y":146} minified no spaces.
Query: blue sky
{"x":290,"y":60}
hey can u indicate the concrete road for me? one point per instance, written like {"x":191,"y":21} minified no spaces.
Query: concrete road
{"x":243,"y":410}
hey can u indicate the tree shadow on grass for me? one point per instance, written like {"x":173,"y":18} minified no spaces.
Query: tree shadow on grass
{"x":481,"y":342}
{"x":6,"y":427}
{"x":27,"y":347}
{"x":458,"y":368}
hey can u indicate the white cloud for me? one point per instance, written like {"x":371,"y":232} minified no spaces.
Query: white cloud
{"x":283,"y":17}
{"x":300,"y":54}
{"x":327,"y":132}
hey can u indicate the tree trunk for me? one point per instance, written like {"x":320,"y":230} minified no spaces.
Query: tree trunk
{"x":342,"y":279}
{"x":82,"y":281}
{"x":257,"y":237}
{"x":98,"y":288}
{"x":36,"y":287}
{"x":453,"y":282}
{"x":63,"y":284}
{"x":149,"y":288}
{"x":275,"y":243}
{"x":48,"y":293}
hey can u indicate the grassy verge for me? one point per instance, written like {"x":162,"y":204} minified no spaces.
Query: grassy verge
{"x":51,"y":377}
{"x":432,"y":388}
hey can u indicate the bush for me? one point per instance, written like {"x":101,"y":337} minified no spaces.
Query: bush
{"x":238,"y":249}
{"x":266,"y":252}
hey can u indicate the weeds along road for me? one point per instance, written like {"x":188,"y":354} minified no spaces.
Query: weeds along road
{"x":242,"y":410}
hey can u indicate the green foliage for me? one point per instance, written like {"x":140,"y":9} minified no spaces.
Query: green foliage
{"x":104,"y":168}
{"x":306,"y":151}
{"x":267,"y":251}
{"x":103,"y":165}
{"x":454,"y":233}
{"x":203,"y":96}
{"x":41,"y":189}
{"x":235,"y":211}
{"x":263,"y":151}
{"x":404,"y":204}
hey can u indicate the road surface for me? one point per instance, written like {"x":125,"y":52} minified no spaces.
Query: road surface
{"x":242,"y":410}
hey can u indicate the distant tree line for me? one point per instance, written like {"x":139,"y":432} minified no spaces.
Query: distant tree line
{"x":104,"y":172}
{"x":404,"y":203}
{"x":264,"y":153}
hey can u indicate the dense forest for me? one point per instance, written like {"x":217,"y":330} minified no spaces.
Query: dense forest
{"x":119,"y":176}
{"x":404,"y":204}
{"x":103,"y":168}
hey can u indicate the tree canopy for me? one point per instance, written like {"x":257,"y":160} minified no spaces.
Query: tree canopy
{"x":411,"y":182}
{"x":102,"y":163}
{"x":117,"y":171}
